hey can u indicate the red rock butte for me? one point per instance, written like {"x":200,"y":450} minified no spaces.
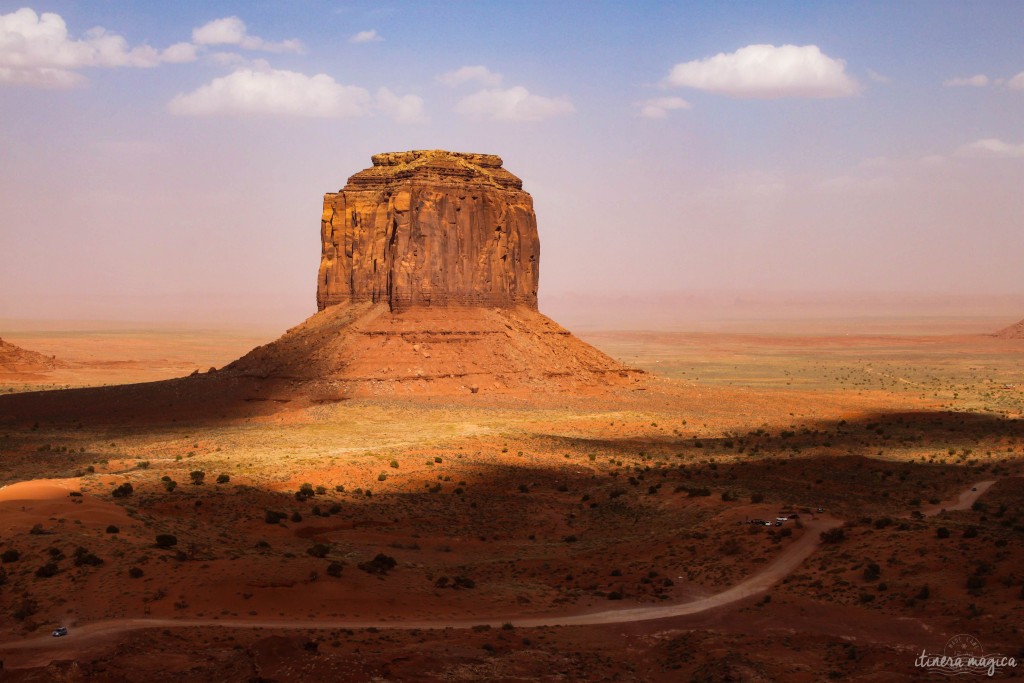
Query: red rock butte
{"x":430,"y":228}
{"x":428,"y":284}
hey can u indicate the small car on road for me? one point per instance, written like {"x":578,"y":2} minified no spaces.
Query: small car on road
{"x":59,"y":632}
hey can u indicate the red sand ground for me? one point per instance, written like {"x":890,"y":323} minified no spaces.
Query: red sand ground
{"x":549,"y":504}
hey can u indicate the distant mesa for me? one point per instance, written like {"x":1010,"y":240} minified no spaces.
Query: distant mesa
{"x":16,"y":360}
{"x":430,"y":263}
{"x":1015,"y":331}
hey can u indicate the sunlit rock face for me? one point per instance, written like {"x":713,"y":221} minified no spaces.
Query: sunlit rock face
{"x":430,"y":228}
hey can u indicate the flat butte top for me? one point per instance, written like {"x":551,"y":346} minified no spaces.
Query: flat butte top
{"x":436,"y":166}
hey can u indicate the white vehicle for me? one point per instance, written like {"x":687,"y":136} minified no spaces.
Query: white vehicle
{"x":61,"y":631}
{"x":781,"y":519}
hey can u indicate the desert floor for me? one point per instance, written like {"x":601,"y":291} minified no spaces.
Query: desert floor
{"x":533,"y":537}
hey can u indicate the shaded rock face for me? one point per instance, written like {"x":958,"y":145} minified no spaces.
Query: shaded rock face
{"x":430,"y":228}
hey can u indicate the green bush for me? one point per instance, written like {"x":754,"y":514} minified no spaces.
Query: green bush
{"x":223,"y":478}
{"x":319,"y":550}
{"x":166,"y":540}
{"x":47,"y":570}
{"x":197,"y":477}
{"x":123,"y":491}
{"x":381,"y":564}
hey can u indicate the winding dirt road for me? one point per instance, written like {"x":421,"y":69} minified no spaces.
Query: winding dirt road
{"x":791,"y":558}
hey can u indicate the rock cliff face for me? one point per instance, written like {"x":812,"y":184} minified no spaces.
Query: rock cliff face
{"x":430,"y":228}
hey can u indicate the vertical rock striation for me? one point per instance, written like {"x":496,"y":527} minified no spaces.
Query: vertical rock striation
{"x":430,"y":228}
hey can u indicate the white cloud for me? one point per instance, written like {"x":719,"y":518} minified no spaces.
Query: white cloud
{"x":513,"y":104}
{"x":877,"y":77}
{"x":232,"y":31}
{"x":480,"y":75}
{"x":659,"y":107}
{"x":401,"y":108}
{"x":767,"y":72}
{"x":36,"y":50}
{"x":273,"y":93}
{"x":976,"y":81}
{"x":179,"y":53}
{"x":991,"y":148}
{"x":1017,"y":82}
{"x":370,"y":36}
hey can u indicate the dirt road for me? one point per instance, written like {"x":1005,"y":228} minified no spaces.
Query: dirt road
{"x":39,"y":650}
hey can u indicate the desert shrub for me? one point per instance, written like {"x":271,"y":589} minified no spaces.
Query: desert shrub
{"x":135,"y":573}
{"x":340,"y":488}
{"x":836,"y":535}
{"x":37,"y":530}
{"x":924,"y":593}
{"x":698,"y":492}
{"x":197,"y":477}
{"x":142,"y":464}
{"x":10,"y":555}
{"x":615,"y":595}
{"x":394,"y":463}
{"x":123,"y":491}
{"x":334,"y":569}
{"x":321,"y":490}
{"x":3,"y":576}
{"x":883,"y":522}
{"x":272,"y":517}
{"x":381,"y":564}
{"x":571,"y":538}
{"x":867,"y":597}
{"x":166,"y":540}
{"x":872,"y":571}
{"x":319,"y":550}
{"x":111,"y":529}
{"x":971,"y":532}
{"x":975,"y":584}
{"x":223,"y":478}
{"x":757,"y":498}
{"x":296,"y":517}
{"x":942,"y":532}
{"x":307,"y":490}
{"x":438,"y":459}
{"x":382,"y":476}
{"x":47,"y":570}
{"x":84,"y":557}
{"x":728,"y":496}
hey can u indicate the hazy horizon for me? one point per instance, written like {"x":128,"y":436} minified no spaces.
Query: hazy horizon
{"x":736,"y":160}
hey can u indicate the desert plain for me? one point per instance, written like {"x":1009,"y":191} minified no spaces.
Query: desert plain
{"x":517,"y":535}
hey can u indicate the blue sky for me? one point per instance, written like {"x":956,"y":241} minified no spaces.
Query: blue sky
{"x":173,"y":166}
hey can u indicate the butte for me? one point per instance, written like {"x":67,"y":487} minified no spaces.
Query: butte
{"x":430,"y":263}
{"x":427,"y":285}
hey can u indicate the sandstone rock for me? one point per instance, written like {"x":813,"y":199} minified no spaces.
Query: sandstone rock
{"x":428,"y":285}
{"x":14,"y":359}
{"x":1015,"y":331}
{"x":430,"y":228}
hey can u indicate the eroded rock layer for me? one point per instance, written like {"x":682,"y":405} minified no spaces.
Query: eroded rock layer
{"x":430,"y":228}
{"x":366,"y":349}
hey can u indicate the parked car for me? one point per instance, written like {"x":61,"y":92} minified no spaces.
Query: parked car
{"x":61,"y":631}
